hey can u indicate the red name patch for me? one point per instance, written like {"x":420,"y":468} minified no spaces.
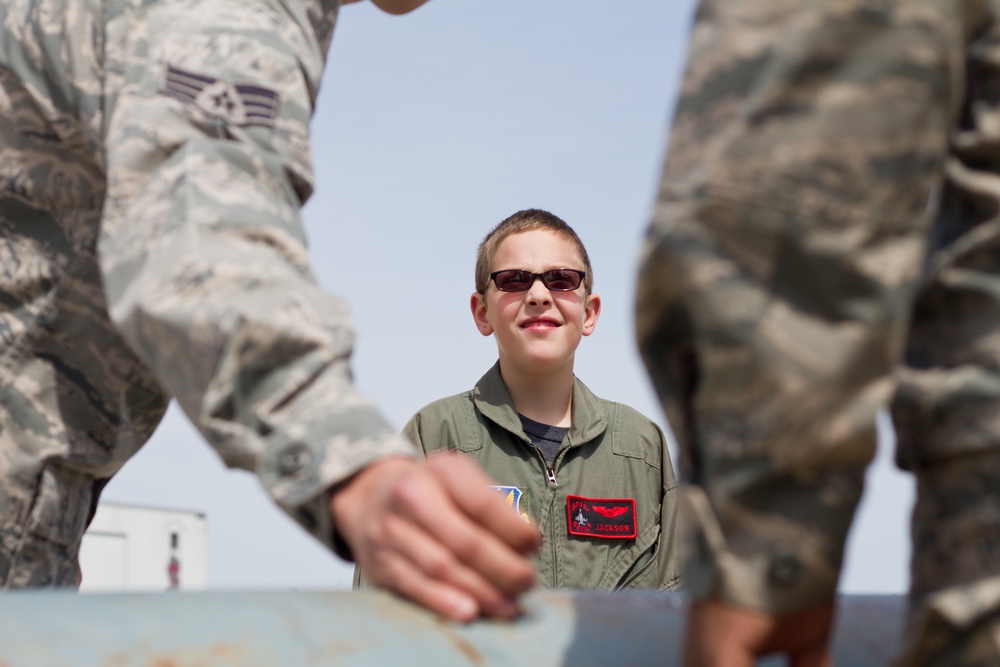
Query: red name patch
{"x":607,"y":518}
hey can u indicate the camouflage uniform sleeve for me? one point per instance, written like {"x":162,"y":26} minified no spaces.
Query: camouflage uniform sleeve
{"x":785,"y":247}
{"x":202,"y":249}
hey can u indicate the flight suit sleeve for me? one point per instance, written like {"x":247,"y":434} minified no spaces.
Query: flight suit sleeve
{"x":661,"y":570}
{"x":202,"y":250}
{"x":412,"y":432}
{"x":668,"y":555}
{"x":431,"y":428}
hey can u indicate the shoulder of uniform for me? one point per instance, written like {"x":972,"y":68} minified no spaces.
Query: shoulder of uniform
{"x":442,"y":407}
{"x":627,"y":412}
{"x":630,"y":419}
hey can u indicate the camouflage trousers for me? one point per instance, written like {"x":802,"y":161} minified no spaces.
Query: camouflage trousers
{"x":826,"y":242}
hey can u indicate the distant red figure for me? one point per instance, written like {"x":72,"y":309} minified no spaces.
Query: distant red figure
{"x":174,"y":573}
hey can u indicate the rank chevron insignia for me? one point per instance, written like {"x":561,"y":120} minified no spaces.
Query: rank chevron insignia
{"x":235,"y":103}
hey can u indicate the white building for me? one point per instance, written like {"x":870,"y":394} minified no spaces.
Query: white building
{"x":130,"y":548}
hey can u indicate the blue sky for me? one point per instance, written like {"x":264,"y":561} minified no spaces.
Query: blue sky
{"x":430,"y":129}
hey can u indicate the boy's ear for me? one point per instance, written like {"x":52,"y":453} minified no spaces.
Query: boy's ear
{"x":591,"y":311}
{"x":478,"y":305}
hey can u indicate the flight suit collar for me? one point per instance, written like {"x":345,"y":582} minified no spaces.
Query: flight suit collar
{"x":590,"y":418}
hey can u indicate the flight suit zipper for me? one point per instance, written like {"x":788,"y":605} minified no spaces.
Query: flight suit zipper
{"x":551,"y":486}
{"x":550,"y":473}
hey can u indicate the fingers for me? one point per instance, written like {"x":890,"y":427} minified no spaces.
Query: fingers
{"x":411,"y":534}
{"x":475,"y":541}
{"x":395,"y":571}
{"x":813,"y":657}
{"x":722,"y":634}
{"x":469,"y":486}
{"x":443,"y":545}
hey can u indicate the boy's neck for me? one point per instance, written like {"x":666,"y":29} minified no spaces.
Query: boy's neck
{"x":547,"y":399}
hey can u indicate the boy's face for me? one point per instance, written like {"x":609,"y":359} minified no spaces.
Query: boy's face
{"x":538,"y":330}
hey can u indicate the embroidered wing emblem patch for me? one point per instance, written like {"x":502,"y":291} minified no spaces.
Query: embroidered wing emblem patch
{"x":605,"y":518}
{"x":235,"y":103}
{"x":513,"y":496}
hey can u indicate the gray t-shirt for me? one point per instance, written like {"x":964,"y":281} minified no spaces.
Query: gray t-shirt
{"x":547,"y":439}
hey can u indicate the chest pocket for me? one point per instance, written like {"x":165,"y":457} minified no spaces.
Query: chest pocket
{"x":618,"y":465}
{"x":603,"y":563}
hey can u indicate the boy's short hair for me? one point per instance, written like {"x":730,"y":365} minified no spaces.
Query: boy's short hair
{"x":524,"y":221}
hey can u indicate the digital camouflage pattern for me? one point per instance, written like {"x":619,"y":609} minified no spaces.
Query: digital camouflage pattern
{"x":153,"y":159}
{"x":826,"y":231}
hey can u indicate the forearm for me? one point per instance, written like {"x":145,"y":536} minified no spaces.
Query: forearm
{"x":255,"y":352}
{"x":203,"y":255}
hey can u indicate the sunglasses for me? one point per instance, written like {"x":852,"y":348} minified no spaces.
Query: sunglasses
{"x":521,"y":280}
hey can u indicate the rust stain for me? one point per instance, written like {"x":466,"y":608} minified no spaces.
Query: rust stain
{"x":119,"y":659}
{"x":464,"y":647}
{"x":210,"y":656}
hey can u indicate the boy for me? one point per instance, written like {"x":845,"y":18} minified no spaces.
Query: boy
{"x":593,"y":474}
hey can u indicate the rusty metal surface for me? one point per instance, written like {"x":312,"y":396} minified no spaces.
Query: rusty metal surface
{"x":42,"y":629}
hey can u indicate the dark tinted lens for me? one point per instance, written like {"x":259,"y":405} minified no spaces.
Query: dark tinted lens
{"x":561,"y":280}
{"x":513,"y":280}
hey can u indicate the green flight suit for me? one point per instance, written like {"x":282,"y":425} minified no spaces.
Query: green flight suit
{"x":610,"y":452}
